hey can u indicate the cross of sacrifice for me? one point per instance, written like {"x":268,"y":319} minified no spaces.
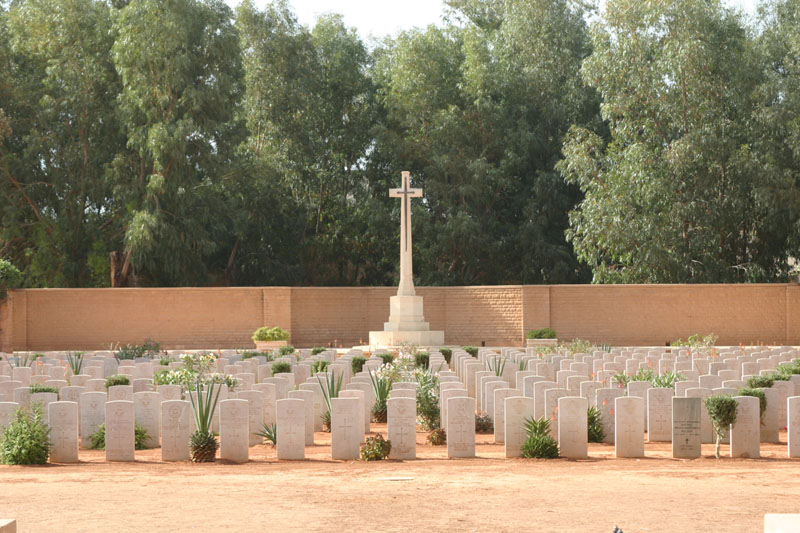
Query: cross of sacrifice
{"x":406,"y":287}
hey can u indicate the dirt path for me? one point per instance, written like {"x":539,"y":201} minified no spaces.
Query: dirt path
{"x":488,"y":493}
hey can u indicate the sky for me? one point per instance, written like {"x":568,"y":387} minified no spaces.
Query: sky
{"x":379,"y":18}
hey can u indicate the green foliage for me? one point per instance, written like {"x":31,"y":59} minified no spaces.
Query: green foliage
{"x":785,"y":371}
{"x":150,"y":348}
{"x":437,"y":437}
{"x":204,"y":405}
{"x":10,"y":277}
{"x":472,"y":350}
{"x":387,"y":358}
{"x":286,"y":350}
{"x":270,"y":334}
{"x":698,"y":343}
{"x":497,"y":364}
{"x":756,"y":393}
{"x":98,"y":438}
{"x":319,"y":366}
{"x":422,"y":359}
{"x":25,"y":359}
{"x":539,"y":444}
{"x":279,"y":367}
{"x":330,"y":389}
{"x":269,"y":432}
{"x":382,"y":387}
{"x":35,"y":387}
{"x":75,"y":361}
{"x":760,"y":382}
{"x":428,"y":413}
{"x":250,"y":354}
{"x":484,"y":424}
{"x":357,"y":363}
{"x":194,"y":367}
{"x":118,"y":379}
{"x":376,"y":448}
{"x":666,"y":380}
{"x":317,"y":350}
{"x":595,"y":425}
{"x":544,"y":333}
{"x":722,"y":412}
{"x":26,"y":438}
{"x":577,"y":346}
{"x":447,"y":353}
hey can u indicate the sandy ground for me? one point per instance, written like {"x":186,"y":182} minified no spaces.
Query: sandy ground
{"x":488,"y":493}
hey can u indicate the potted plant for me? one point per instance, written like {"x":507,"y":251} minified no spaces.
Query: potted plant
{"x":541,"y":337}
{"x":267,"y":339}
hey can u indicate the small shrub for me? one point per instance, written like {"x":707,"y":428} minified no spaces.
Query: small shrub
{"x":422,"y":359}
{"x":165,"y":361}
{"x":250,"y":354}
{"x":279,"y":367}
{"x":762,"y":399}
{"x":595,"y":425}
{"x":98,"y":438}
{"x":286,"y":350}
{"x":117,"y":379}
{"x":544,"y":333}
{"x":270,"y":334}
{"x":484,"y":424}
{"x":10,"y":277}
{"x":539,"y":444}
{"x":387,"y":358}
{"x":722,"y":412}
{"x":428,"y":412}
{"x":35,"y":387}
{"x":472,"y":350}
{"x":540,"y":447}
{"x":760,"y":382}
{"x":357,"y":363}
{"x":447,"y":353}
{"x":437,"y":437}
{"x":269,"y":432}
{"x":26,"y":438}
{"x":319,"y":366}
{"x":317,"y":350}
{"x":376,"y":448}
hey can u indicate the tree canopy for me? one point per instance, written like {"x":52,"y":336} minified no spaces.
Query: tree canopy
{"x":180,"y":142}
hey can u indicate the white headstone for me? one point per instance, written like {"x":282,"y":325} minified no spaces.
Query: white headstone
{"x":629,"y":427}
{"x":346,"y":424}
{"x":176,"y":430}
{"x":401,"y":417}
{"x":499,"y":417}
{"x":147,"y":413}
{"x":120,"y":430}
{"x":63,"y":423}
{"x":255,"y":413}
{"x":359,"y":395}
{"x":92,"y":415}
{"x":307,"y":398}
{"x":793,"y":428}
{"x":517,"y":410}
{"x":659,"y":419}
{"x":120,"y":393}
{"x":234,"y":431}
{"x":460,"y":428}
{"x":291,"y":429}
{"x":686,"y":426}
{"x":573,"y":429}
{"x":745,"y":432}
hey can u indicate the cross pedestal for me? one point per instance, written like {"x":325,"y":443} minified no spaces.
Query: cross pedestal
{"x":406,"y":323}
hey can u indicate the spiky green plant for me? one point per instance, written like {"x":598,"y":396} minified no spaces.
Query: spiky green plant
{"x":202,"y":444}
{"x":269,"y":432}
{"x":75,"y":361}
{"x":497,"y":365}
{"x":666,"y":380}
{"x":594,"y":421}
{"x":382,"y":386}
{"x":24,"y":359}
{"x":722,"y":412}
{"x":331,"y":389}
{"x":539,"y":444}
{"x":319,"y":366}
{"x":523,"y":365}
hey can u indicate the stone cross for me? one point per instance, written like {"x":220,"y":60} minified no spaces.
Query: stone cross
{"x":406,"y":287}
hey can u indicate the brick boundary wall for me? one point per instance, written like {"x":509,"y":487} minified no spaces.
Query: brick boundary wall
{"x":61,"y":319}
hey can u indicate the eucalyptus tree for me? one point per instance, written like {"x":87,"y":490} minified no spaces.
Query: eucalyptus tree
{"x":677,"y":194}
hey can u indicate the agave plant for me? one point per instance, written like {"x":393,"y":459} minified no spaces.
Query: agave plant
{"x":75,"y":361}
{"x":382,"y":385}
{"x":497,"y":364}
{"x":537,"y":426}
{"x":330,"y":390}
{"x":523,"y":365}
{"x":269,"y":432}
{"x":202,"y":444}
{"x":666,"y":380}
